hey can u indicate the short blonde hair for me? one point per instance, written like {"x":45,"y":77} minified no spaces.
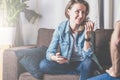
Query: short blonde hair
{"x":72,"y":2}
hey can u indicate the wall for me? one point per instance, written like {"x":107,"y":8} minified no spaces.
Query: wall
{"x":52,"y":12}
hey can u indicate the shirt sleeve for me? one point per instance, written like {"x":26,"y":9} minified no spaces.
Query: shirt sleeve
{"x":88,"y":52}
{"x":52,"y":49}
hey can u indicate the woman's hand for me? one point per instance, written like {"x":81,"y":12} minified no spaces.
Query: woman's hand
{"x":88,"y":29}
{"x":58,"y":58}
{"x":89,"y":26}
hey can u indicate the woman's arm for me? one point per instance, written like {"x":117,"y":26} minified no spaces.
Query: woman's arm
{"x":52,"y":49}
{"x":88,"y":30}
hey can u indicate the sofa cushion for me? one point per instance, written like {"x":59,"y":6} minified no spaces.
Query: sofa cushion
{"x":61,"y":77}
{"x":28,"y":76}
{"x":30,"y":59}
{"x":44,"y":36}
{"x":102,"y":43}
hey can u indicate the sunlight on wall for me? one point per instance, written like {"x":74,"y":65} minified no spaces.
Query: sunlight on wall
{"x":3,"y":22}
{"x":1,"y":18}
{"x":7,"y":35}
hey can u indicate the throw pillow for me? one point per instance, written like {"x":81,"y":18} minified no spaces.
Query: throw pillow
{"x":30,"y":59}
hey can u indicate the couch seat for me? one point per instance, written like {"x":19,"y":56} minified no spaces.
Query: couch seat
{"x":27,"y":76}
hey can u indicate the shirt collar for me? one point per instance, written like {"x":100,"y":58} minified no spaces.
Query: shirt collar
{"x":67,"y":26}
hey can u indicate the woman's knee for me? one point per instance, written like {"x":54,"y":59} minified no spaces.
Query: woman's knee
{"x":47,"y":66}
{"x":43,"y":65}
{"x":87,"y":61}
{"x":87,"y":64}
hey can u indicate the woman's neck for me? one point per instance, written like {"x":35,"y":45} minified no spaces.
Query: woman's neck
{"x":74,"y":27}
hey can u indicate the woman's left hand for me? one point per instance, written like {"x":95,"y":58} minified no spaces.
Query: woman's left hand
{"x":89,"y":26}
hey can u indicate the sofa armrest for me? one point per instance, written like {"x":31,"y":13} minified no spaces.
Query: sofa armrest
{"x":11,"y":68}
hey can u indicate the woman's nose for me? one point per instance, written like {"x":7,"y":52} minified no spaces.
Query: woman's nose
{"x":80,"y":14}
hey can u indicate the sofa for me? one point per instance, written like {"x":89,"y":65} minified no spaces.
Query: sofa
{"x":13,"y":70}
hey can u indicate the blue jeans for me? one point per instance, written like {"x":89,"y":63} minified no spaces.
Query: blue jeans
{"x":104,"y":76}
{"x":83,"y":68}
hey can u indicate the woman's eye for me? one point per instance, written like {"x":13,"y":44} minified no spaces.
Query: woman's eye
{"x":76,"y":11}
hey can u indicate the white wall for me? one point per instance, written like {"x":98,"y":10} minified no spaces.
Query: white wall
{"x":52,"y":12}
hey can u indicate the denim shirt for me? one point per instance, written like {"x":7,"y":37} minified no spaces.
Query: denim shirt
{"x":62,"y":37}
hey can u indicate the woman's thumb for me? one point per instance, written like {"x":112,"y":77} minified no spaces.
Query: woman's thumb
{"x":57,"y":54}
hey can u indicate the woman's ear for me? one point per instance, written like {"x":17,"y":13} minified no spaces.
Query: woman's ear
{"x":68,"y":11}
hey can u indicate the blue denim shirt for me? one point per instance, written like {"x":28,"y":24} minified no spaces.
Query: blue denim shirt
{"x":62,"y":37}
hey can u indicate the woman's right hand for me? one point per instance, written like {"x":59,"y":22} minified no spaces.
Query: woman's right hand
{"x":89,"y":26}
{"x":58,"y":58}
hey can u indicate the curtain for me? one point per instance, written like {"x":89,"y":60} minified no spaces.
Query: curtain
{"x":116,"y":10}
{"x":108,"y":14}
{"x":94,"y":12}
{"x":104,"y":13}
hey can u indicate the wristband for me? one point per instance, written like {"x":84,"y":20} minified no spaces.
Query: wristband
{"x":88,"y":39}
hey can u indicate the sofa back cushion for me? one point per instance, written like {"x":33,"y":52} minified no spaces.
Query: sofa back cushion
{"x":44,"y":36}
{"x":101,"y":43}
{"x":102,"y":46}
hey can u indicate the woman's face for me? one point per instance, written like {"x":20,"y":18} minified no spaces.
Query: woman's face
{"x":77,"y":13}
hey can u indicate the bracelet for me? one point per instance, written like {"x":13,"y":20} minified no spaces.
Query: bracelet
{"x":88,"y":39}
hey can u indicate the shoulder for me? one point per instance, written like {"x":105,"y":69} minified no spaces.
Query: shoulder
{"x":63,"y":24}
{"x":61,"y":27}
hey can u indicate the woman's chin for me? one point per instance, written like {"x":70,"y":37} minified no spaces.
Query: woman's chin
{"x":78,"y":22}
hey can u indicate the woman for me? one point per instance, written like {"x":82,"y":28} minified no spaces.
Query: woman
{"x":113,"y":73}
{"x":73,"y":37}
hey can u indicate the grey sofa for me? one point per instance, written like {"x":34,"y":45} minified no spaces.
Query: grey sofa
{"x":12,"y":69}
